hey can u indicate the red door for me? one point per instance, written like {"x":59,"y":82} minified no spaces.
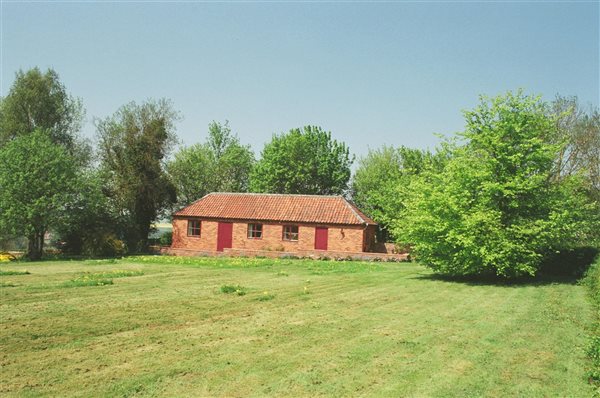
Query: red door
{"x":224,"y":235}
{"x":321,"y":238}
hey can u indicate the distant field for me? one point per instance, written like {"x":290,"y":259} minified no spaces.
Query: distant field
{"x":286,"y":328}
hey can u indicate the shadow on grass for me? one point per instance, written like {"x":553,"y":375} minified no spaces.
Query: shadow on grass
{"x":539,"y":280}
{"x":565,"y":267}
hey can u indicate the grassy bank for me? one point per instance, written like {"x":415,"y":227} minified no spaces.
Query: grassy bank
{"x":238,"y":327}
{"x":592,"y":282}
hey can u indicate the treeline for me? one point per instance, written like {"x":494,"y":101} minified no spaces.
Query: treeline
{"x":520,"y":184}
{"x":515,"y":190}
{"x":101,"y":198}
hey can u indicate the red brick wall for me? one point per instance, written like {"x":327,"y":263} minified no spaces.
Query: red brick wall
{"x":206,"y":242}
{"x":346,"y":239}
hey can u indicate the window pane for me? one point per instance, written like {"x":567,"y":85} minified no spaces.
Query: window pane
{"x":193,"y":228}
{"x":255,"y":231}
{"x":290,"y":232}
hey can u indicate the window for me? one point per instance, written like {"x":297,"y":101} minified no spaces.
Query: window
{"x":290,"y":232}
{"x":194,"y":228}
{"x":255,"y":231}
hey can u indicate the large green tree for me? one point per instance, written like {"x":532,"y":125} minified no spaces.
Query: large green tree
{"x":495,"y":208}
{"x":381,"y":181}
{"x":38,"y":179}
{"x":133,"y":145}
{"x":39,"y":100}
{"x":222,"y":163}
{"x":303,"y":161}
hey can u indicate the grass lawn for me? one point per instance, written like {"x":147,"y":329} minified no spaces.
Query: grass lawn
{"x":285,"y":328}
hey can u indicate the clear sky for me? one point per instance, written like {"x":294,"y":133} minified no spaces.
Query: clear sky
{"x":371,"y":73}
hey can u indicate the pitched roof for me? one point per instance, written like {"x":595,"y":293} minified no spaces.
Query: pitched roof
{"x":318,"y":209}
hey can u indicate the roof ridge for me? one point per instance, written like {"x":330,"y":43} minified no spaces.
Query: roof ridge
{"x":274,"y":194}
{"x":351,"y":207}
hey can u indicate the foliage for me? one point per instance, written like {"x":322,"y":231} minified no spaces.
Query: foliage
{"x":380,"y":184}
{"x":303,"y":161}
{"x":166,"y":239}
{"x":221,"y":164}
{"x":91,"y":224}
{"x":578,"y":133}
{"x":15,"y":243}
{"x":592,"y":281}
{"x":39,"y":101}
{"x":103,"y":244}
{"x":134,"y":143}
{"x":38,"y":179}
{"x":494,"y":208}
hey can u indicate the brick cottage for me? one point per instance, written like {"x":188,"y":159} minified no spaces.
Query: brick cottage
{"x":245,"y":223}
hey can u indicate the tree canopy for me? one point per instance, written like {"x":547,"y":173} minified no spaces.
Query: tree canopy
{"x":494,"y":209}
{"x":383,"y":178}
{"x":39,"y":100}
{"x":38,"y":181}
{"x":133,"y":145}
{"x":222,"y":163}
{"x":303,"y":161}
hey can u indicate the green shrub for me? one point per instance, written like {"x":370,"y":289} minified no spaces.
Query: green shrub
{"x":103,"y":245}
{"x":495,"y":209}
{"x":166,"y":238}
{"x":592,"y":282}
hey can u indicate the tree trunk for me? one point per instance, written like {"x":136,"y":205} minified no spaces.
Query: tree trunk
{"x":143,"y":241}
{"x":35,"y":245}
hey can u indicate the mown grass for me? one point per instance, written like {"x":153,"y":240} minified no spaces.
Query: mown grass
{"x":13,"y":272}
{"x":99,"y":278}
{"x":327,"y":329}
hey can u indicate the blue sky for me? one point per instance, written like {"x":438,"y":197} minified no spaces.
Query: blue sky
{"x":371,"y":73}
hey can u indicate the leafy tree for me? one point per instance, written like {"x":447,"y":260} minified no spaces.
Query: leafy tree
{"x":38,"y":179}
{"x":380,"y":183}
{"x":133,"y":145}
{"x":39,"y":100}
{"x":578,"y":132}
{"x":495,"y":209}
{"x":91,"y":225}
{"x":303,"y":161}
{"x":220,"y":164}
